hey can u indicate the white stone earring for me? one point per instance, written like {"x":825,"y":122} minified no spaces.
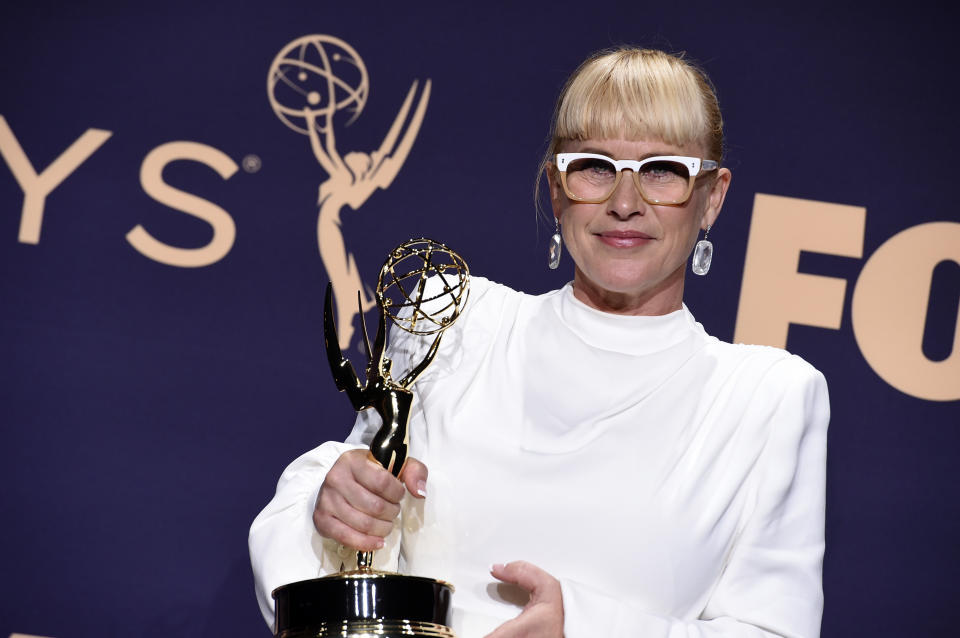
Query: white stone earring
{"x":556,"y":243}
{"x":702,"y":255}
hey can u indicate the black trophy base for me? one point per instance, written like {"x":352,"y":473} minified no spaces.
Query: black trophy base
{"x":364,"y":604}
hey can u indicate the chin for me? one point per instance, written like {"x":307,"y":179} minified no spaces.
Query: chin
{"x":633,"y":281}
{"x":626,"y":279}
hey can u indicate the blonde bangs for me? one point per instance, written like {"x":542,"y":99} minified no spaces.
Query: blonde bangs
{"x":638,"y":94}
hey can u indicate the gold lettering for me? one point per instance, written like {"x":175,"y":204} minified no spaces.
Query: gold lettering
{"x":774,"y":294}
{"x":36,"y":187}
{"x":151,"y":178}
{"x":890,"y":306}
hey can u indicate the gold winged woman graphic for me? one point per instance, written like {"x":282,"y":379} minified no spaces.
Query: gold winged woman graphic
{"x":310,"y":80}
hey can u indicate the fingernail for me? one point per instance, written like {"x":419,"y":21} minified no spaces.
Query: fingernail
{"x":422,"y":488}
{"x":495,"y":566}
{"x":380,"y":543}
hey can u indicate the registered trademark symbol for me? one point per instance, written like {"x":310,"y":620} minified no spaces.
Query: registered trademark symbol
{"x":251,"y":163}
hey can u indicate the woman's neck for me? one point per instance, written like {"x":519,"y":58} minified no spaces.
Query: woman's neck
{"x":660,"y":299}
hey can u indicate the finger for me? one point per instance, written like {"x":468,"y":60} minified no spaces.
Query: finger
{"x":330,"y":527}
{"x":371,"y":475}
{"x":414,"y":476}
{"x":542,"y":617}
{"x":367,"y":502}
{"x":336,"y":506}
{"x":363,"y":484}
{"x":351,"y":503}
{"x":525,"y":575}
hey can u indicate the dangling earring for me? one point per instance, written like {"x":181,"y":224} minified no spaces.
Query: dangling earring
{"x":556,"y":243}
{"x":702,"y":255}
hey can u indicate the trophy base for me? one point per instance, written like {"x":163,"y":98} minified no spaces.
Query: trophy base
{"x":364,"y":604}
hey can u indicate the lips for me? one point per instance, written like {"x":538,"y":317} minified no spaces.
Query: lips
{"x":623,"y":238}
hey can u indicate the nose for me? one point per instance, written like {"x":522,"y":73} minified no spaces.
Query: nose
{"x":626,"y":200}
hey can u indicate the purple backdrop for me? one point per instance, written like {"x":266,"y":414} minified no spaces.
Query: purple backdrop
{"x":148,"y":410}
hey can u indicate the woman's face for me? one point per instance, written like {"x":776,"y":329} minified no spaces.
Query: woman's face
{"x":631,"y":256}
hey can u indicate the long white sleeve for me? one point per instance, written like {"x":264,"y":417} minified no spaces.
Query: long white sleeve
{"x":284,"y":545}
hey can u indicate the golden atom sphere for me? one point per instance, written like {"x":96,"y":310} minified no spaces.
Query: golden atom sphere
{"x":423,"y":286}
{"x":319,"y":74}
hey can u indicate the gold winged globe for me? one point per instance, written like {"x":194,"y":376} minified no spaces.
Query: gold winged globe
{"x":423,"y":287}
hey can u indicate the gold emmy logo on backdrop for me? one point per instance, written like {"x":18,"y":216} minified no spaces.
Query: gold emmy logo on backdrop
{"x":423,"y":287}
{"x":310,"y":81}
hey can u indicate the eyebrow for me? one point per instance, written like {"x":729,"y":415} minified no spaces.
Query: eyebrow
{"x":600,"y":151}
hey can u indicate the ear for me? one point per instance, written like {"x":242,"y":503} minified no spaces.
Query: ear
{"x":557,"y":195}
{"x":718,"y":192}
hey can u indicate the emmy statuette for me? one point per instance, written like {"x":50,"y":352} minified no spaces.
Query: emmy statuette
{"x":368,"y":603}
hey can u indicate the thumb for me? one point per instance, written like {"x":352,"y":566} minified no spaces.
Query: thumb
{"x":524,"y":574}
{"x":414,"y":476}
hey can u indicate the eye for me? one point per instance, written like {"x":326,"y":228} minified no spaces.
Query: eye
{"x":592,"y":167}
{"x":664,"y":171}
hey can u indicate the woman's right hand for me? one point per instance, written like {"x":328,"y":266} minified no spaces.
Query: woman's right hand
{"x":359,"y":500}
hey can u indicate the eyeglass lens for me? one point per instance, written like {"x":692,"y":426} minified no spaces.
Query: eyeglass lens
{"x":594,"y":179}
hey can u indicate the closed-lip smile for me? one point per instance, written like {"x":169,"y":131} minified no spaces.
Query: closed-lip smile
{"x":623,"y":238}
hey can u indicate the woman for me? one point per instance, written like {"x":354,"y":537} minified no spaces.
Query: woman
{"x":653,"y":480}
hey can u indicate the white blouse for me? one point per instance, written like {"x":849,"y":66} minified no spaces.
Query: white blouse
{"x":673,"y":483}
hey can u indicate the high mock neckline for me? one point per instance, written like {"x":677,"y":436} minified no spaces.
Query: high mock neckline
{"x":628,"y":334}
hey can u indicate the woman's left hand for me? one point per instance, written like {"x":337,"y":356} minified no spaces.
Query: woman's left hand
{"x":542,"y":617}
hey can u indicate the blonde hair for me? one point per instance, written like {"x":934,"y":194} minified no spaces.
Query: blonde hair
{"x":637,"y":94}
